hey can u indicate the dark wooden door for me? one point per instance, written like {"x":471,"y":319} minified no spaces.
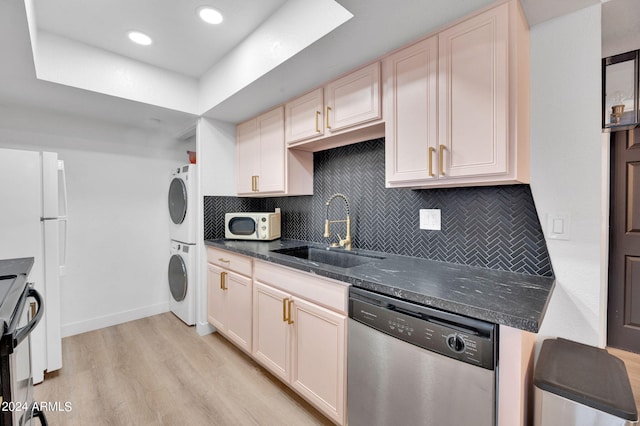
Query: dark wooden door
{"x":623,"y":313}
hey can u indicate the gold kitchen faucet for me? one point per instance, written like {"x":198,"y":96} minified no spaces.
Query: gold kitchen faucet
{"x":346,"y":242}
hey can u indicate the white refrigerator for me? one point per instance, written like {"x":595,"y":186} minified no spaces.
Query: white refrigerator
{"x":33,"y":223}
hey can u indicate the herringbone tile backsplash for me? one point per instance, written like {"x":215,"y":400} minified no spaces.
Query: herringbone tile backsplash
{"x":492,"y":227}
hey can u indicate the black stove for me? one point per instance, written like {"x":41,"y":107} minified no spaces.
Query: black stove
{"x":17,"y":406}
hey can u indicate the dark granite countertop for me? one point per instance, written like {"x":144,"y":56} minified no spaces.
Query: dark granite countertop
{"x":508,"y":298}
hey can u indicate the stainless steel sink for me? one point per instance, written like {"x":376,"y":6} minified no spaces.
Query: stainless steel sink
{"x":339,"y":258}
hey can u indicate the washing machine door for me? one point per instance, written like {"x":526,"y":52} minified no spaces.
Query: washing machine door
{"x":178,"y":279}
{"x":177,"y":200}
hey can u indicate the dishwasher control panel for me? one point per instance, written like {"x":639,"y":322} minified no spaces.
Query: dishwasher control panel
{"x":462,"y":338}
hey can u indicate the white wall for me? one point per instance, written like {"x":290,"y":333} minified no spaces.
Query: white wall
{"x":118,"y":247}
{"x":566,"y":167}
{"x":216,"y":147}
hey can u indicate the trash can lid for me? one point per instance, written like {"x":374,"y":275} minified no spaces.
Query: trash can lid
{"x":587,"y":375}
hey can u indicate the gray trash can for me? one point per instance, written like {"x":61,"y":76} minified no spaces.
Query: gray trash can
{"x":581,"y":385}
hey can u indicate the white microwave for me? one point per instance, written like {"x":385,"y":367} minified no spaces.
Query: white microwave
{"x":252,"y":226}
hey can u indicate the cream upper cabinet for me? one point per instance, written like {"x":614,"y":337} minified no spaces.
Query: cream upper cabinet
{"x":341,"y":105}
{"x":261,"y":153}
{"x":265,"y":165}
{"x":247,"y":148}
{"x":482,"y":98}
{"x":304,"y":117}
{"x":473,"y":85}
{"x":353,"y":99}
{"x":410,"y":101}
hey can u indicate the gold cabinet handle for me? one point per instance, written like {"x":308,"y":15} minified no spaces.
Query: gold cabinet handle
{"x":222,"y":259}
{"x":223,"y":276}
{"x":33,"y":309}
{"x":327,"y":118}
{"x":257,"y":184}
{"x":253,"y":183}
{"x":284,"y":309}
{"x":441,"y":159}
{"x":318,"y":121}
{"x":431,"y":151}
{"x":289,"y":320}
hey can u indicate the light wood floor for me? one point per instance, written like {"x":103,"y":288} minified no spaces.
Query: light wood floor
{"x":157,"y":371}
{"x":632,"y":362}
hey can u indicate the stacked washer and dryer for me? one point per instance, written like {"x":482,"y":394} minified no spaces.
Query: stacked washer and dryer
{"x":183,"y":223}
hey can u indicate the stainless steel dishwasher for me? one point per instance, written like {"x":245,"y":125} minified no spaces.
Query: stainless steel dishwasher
{"x":413,"y":365}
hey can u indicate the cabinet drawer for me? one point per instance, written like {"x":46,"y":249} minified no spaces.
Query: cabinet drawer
{"x":234,"y":262}
{"x":329,"y":293}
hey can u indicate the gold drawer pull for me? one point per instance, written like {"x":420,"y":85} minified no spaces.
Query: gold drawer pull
{"x":318,"y":121}
{"x":327,"y":117}
{"x":441,"y":155}
{"x":289,"y":320}
{"x":284,"y":309}
{"x":431,"y":151}
{"x":223,"y":275}
{"x":222,"y":259}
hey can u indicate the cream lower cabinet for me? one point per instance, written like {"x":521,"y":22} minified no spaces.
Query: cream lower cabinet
{"x":229,"y":305}
{"x":304,"y":344}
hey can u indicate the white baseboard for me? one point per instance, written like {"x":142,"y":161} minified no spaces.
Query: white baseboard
{"x":204,"y":328}
{"x":113,"y":319}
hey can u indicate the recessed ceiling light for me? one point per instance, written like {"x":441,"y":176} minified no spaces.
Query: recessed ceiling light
{"x":140,"y":38}
{"x":210,"y":15}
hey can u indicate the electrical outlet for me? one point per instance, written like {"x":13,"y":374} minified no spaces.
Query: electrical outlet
{"x":430,"y":219}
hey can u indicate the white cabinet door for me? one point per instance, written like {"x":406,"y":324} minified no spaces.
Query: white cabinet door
{"x":410,"y":111}
{"x":215,"y":297}
{"x":229,"y":305}
{"x":353,"y":99}
{"x":271,"y":154}
{"x":265,"y":165}
{"x":248,"y":151}
{"x":238,"y":310}
{"x":304,"y":117}
{"x":319,"y":357}
{"x":271,"y":335}
{"x":473,"y":94}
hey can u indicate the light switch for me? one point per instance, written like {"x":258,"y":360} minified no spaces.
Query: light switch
{"x":430,"y":219}
{"x":558,"y":226}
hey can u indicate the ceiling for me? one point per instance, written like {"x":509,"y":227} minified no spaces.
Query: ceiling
{"x":187,"y":48}
{"x":182,"y":41}
{"x":620,"y":27}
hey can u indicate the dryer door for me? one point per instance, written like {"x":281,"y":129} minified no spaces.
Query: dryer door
{"x":177,"y":200}
{"x":178,"y":279}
